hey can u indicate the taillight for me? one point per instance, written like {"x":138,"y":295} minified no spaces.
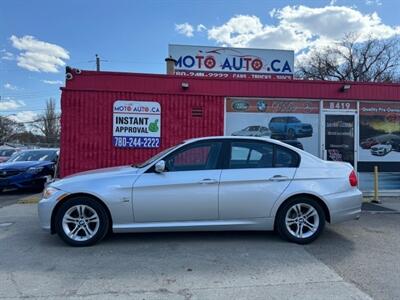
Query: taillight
{"x":353,"y":178}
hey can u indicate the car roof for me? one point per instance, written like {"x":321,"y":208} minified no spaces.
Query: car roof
{"x":229,"y":137}
{"x":41,"y":149}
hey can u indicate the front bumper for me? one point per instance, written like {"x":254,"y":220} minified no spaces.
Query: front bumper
{"x":45,"y":209}
{"x":345,"y":206}
{"x":378,"y":152}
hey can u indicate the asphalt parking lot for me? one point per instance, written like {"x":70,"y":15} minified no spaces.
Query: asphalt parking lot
{"x":9,"y":197}
{"x":353,"y":260}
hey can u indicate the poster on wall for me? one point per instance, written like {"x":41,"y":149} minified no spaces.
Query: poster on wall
{"x":379,"y":132}
{"x":339,"y":138}
{"x":136,"y":124}
{"x":295,"y":122}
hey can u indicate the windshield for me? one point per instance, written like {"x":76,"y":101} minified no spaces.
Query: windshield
{"x":35,"y":155}
{"x":154,"y":158}
{"x":7,"y":152}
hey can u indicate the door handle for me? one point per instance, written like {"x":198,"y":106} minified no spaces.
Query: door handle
{"x":278,"y":178}
{"x":208,"y":181}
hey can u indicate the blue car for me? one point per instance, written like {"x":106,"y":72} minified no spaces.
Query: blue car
{"x":290,"y":128}
{"x":28,"y":169}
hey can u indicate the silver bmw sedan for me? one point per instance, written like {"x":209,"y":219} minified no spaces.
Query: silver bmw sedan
{"x":212,"y":183}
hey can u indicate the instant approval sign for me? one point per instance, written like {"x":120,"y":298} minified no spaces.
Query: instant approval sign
{"x":136,"y":124}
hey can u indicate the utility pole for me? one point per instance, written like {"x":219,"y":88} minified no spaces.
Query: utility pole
{"x":97,"y":63}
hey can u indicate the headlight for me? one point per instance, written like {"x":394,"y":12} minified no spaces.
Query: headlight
{"x":49,"y":191}
{"x":34,"y":170}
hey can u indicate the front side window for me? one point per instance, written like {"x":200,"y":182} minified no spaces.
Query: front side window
{"x":202,"y":156}
{"x":250,"y":155}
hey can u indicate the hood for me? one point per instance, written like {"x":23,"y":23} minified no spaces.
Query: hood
{"x":23,"y":165}
{"x":94,"y":175}
{"x":380,"y":146}
{"x":104,"y":171}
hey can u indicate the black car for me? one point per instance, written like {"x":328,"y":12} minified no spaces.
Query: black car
{"x":395,"y":144}
{"x":28,"y":169}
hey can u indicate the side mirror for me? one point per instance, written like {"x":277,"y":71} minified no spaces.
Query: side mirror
{"x":160,"y":166}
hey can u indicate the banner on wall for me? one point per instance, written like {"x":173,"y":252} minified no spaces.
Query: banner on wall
{"x":136,"y":124}
{"x":292,"y":121}
{"x":379,"y":132}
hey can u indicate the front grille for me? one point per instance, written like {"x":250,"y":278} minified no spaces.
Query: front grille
{"x":9,"y":173}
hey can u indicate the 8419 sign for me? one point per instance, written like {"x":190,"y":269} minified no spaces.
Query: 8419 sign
{"x":339,"y":105}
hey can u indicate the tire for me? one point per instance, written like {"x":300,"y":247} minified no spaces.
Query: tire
{"x":288,"y":213}
{"x":290,"y":134}
{"x":82,"y":222}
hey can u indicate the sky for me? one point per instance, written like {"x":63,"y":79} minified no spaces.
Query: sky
{"x":39,"y":38}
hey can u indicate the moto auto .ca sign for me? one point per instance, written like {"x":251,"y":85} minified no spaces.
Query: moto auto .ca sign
{"x":232,"y":62}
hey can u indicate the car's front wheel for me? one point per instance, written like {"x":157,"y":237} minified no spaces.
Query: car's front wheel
{"x":290,"y":134}
{"x":300,"y":220}
{"x":81,"y":222}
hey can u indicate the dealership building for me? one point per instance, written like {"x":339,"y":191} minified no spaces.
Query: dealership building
{"x":114,"y":118}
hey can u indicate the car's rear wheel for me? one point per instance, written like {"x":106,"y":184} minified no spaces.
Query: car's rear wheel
{"x":300,"y":220}
{"x":81,"y":222}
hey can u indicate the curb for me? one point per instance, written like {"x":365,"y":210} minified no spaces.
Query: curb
{"x":33,"y":199}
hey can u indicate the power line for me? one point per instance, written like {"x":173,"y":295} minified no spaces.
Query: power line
{"x":34,"y":121}
{"x":39,"y":120}
{"x":20,"y":110}
{"x":29,"y":93}
{"x":31,"y":98}
{"x":98,"y":60}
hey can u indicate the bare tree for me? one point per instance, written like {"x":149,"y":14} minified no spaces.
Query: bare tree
{"x":49,"y":123}
{"x":372,"y":60}
{"x":9,"y":129}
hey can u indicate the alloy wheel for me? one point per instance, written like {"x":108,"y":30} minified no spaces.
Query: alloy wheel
{"x":302,"y":220}
{"x":80,"y":222}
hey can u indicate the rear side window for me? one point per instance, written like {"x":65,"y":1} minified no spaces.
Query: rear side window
{"x":250,"y":155}
{"x":246,"y":155}
{"x":285,"y":158}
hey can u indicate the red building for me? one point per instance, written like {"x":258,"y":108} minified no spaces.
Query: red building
{"x":354,"y":122}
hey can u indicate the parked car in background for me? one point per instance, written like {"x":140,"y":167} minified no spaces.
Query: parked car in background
{"x":368,"y":143}
{"x":6,"y":153}
{"x":212,"y":183}
{"x":290,"y":127}
{"x":393,"y":139}
{"x":395,"y":145}
{"x":28,"y":169}
{"x":381,"y":149}
{"x":253,"y":131}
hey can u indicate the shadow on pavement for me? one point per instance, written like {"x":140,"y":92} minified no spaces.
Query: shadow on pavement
{"x":199,"y":236}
